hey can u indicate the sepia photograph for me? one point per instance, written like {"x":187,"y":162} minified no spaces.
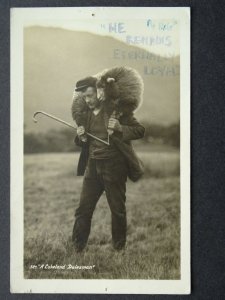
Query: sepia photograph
{"x":100,"y":123}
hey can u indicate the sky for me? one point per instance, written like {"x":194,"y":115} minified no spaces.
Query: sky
{"x":154,"y":29}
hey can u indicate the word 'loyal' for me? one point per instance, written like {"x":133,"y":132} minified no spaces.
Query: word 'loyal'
{"x":162,"y":71}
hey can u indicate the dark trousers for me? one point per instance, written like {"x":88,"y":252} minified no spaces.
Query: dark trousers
{"x":109,"y":176}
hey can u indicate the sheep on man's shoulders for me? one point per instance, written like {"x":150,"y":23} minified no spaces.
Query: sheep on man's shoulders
{"x":121,"y":88}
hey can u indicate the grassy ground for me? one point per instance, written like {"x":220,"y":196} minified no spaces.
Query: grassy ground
{"x":52,"y":191}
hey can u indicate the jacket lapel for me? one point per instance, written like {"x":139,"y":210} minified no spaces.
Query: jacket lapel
{"x":88,"y":120}
{"x":106,"y":119}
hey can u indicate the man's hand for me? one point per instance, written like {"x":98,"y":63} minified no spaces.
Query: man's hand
{"x":81,"y":133}
{"x":80,"y":130}
{"x":114,"y":125}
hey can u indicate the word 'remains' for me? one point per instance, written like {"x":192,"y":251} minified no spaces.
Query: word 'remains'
{"x":149,"y":40}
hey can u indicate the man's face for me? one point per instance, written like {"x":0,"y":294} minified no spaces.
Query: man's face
{"x":90,"y":97}
{"x":100,"y":94}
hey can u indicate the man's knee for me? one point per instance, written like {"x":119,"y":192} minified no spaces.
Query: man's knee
{"x":85,"y":211}
{"x":116,"y":198}
{"x":119,"y":214}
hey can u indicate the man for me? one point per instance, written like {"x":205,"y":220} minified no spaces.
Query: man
{"x":105,"y":167}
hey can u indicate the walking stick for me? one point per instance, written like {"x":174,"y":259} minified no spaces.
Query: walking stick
{"x":67,"y":124}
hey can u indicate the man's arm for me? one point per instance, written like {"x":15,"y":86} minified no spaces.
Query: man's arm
{"x":132,"y":130}
{"x":127,"y":128}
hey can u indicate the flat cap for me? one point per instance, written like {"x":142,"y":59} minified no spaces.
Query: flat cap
{"x":85,"y":83}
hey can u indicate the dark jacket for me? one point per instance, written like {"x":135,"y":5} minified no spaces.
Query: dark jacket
{"x":131,"y":130}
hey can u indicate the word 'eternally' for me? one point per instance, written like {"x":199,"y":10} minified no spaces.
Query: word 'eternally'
{"x":121,"y":54}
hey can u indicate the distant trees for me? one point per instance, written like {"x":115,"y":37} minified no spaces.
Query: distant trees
{"x":52,"y":141}
{"x":168,"y":135}
{"x":63,"y":140}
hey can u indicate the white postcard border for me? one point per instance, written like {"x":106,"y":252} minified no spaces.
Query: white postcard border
{"x":17,"y":282}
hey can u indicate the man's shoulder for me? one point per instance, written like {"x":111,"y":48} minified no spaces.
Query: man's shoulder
{"x":127,"y":118}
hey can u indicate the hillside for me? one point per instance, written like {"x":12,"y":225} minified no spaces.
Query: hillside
{"x":54,"y":59}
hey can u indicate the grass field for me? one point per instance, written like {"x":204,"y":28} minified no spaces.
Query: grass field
{"x":51,"y":194}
